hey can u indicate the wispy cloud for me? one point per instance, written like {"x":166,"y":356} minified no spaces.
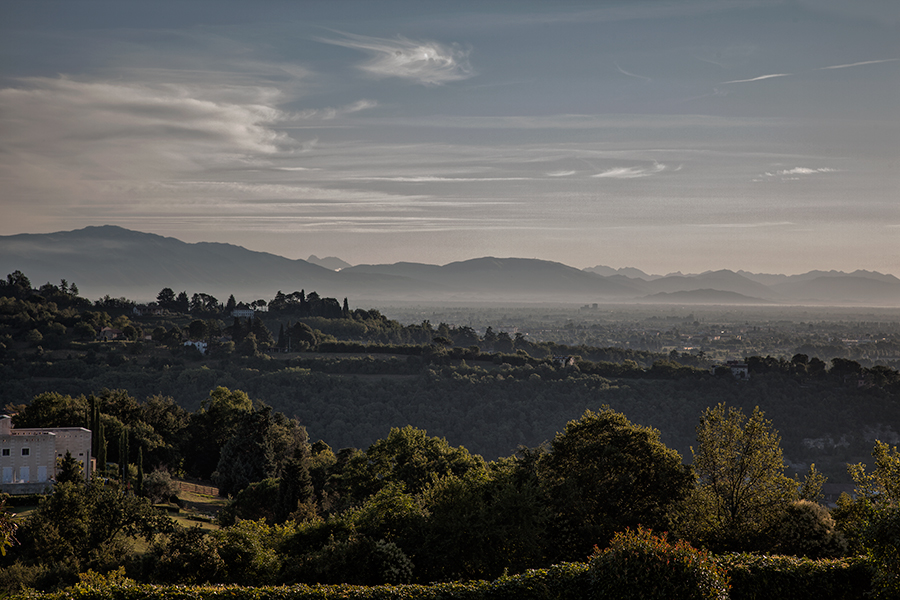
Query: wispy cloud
{"x":624,"y":72}
{"x":330,"y":113}
{"x":859,"y":64}
{"x":631,"y":172}
{"x":561,"y":173}
{"x":83,"y":140}
{"x":742,"y":225}
{"x":793,"y":174}
{"x":842,"y":66}
{"x":426,"y":62}
{"x":760,"y":78}
{"x":432,"y":179}
{"x":47,"y":112}
{"x":805,"y":171}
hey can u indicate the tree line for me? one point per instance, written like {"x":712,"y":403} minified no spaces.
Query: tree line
{"x":412,"y":507}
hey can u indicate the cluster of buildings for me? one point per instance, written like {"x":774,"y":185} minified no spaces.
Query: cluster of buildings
{"x":29,"y":457}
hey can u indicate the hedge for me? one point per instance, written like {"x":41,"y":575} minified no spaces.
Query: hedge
{"x":561,"y":582}
{"x":760,"y":577}
{"x":752,"y":578}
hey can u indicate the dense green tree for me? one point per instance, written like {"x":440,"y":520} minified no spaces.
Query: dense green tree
{"x":259,"y":500}
{"x":603,"y":474}
{"x":8,"y":528}
{"x":101,"y":450}
{"x":124,"y":471}
{"x":805,"y":528}
{"x":212,"y":426}
{"x":741,"y":469}
{"x":295,"y":492}
{"x":410,"y":457}
{"x":187,"y":555}
{"x":169,"y":422}
{"x":88,"y":525}
{"x":166,"y":298}
{"x":139,"y":482}
{"x":484,"y":523}
{"x":158,"y":486}
{"x":882,"y":484}
{"x":249,"y":455}
{"x":51,"y":409}
{"x":69,"y":469}
{"x":182,"y":303}
{"x":197,"y":330}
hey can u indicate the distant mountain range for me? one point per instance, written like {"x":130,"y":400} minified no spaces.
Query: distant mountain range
{"x":120,"y":262}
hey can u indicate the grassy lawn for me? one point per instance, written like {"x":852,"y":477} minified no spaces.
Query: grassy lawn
{"x":198,"y":509}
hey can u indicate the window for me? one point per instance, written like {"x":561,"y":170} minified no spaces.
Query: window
{"x":6,"y":452}
{"x":25,"y":451}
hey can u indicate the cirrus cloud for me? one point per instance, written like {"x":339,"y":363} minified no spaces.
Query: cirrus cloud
{"x":428,"y":63}
{"x":631,"y":172}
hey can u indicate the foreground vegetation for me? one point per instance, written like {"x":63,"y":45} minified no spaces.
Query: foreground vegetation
{"x":414,"y":509}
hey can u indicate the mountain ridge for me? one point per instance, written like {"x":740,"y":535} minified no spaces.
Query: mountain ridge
{"x":113,"y":260}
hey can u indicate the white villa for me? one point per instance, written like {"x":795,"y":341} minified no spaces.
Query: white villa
{"x":28,"y":457}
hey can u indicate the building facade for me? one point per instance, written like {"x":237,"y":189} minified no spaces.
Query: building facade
{"x":29,"y":457}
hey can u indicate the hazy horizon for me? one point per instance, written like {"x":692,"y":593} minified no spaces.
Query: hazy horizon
{"x":667,"y":136}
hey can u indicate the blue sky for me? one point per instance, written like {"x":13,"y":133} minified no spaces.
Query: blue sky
{"x":689,"y":135}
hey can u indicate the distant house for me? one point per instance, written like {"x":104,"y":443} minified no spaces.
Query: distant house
{"x":243,"y":313}
{"x":739,"y":370}
{"x":564,"y":361}
{"x":148,"y":309}
{"x":108,"y":333}
{"x":200,"y":345}
{"x":29,"y":457}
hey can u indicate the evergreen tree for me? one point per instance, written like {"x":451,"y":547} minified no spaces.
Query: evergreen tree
{"x":139,"y":485}
{"x":123,"y":456}
{"x":182,"y":303}
{"x":101,"y":449}
{"x":248,"y":456}
{"x":69,"y":469}
{"x":295,"y":490}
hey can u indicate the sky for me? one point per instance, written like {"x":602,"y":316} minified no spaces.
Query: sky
{"x":685,"y":135}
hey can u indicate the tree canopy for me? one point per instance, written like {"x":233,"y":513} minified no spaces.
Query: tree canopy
{"x":604,"y":473}
{"x":741,"y":469}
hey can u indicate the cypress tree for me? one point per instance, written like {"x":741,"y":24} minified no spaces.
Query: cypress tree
{"x":139,"y":486}
{"x":101,"y":449}
{"x":123,"y":456}
{"x":94,"y":426}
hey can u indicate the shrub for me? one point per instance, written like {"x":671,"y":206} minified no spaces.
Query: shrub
{"x":807,"y":529}
{"x":355,"y":560}
{"x":641,"y":565}
{"x":761,"y":577}
{"x":187,"y":556}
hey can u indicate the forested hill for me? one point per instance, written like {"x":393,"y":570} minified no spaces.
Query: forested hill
{"x":490,"y":392}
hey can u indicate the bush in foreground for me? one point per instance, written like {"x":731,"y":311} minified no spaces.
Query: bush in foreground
{"x":641,"y":565}
{"x":762,"y":577}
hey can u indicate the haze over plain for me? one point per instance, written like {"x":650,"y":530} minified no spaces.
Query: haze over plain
{"x":691,"y":136}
